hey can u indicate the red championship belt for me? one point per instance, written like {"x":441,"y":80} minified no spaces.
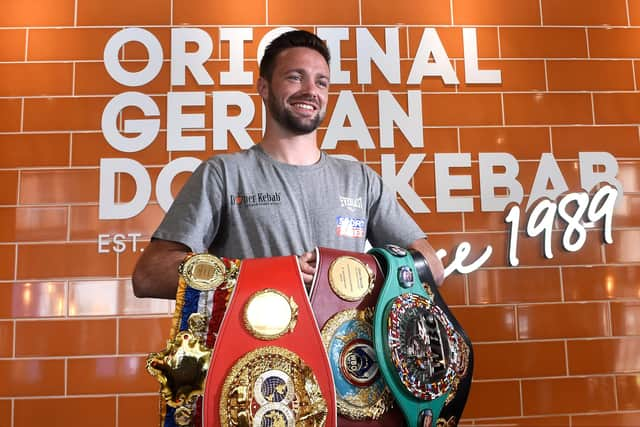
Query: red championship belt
{"x":269,"y":366}
{"x":343,"y":297}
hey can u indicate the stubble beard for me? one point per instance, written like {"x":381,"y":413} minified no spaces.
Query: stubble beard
{"x":291,"y":122}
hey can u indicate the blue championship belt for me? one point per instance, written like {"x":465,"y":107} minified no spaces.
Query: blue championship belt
{"x":204,"y":286}
{"x":343,"y":297}
{"x":423,"y":353}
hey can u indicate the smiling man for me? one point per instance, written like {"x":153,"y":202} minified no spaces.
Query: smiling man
{"x":283,"y":196}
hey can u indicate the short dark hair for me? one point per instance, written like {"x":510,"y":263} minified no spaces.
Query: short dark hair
{"x":295,"y":38}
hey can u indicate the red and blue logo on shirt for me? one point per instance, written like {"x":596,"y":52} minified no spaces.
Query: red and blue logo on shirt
{"x":350,"y":227}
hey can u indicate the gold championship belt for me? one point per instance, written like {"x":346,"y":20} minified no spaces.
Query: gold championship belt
{"x":343,"y":296}
{"x":204,"y":286}
{"x":269,"y":367}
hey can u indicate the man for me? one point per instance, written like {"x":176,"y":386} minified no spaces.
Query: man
{"x":283,"y":196}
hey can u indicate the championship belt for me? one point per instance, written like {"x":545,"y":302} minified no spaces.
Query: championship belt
{"x":269,"y":367}
{"x":423,"y":353}
{"x":204,"y":286}
{"x":343,"y":296}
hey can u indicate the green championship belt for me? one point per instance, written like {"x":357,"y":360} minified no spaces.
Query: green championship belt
{"x":423,"y":353}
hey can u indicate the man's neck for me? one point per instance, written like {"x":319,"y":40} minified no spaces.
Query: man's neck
{"x":300,"y":150}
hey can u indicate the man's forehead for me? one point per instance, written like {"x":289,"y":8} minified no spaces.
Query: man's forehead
{"x":296,"y":57}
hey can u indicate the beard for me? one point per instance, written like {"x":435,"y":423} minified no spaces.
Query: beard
{"x":291,"y":122}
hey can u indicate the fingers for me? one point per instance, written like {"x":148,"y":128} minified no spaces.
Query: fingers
{"x":307,"y":262}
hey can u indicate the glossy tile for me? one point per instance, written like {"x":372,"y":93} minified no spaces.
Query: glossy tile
{"x":461,"y":109}
{"x":64,"y":260}
{"x":6,"y":413}
{"x":7,"y":262}
{"x":521,"y":142}
{"x":544,"y":321}
{"x":453,"y":290}
{"x":603,"y":356}
{"x":624,"y":249}
{"x":541,"y":421}
{"x":514,"y":285}
{"x":482,"y":399}
{"x":487,"y":323}
{"x":65,"y":337}
{"x":13,"y":42}
{"x":628,"y":387}
{"x":143,"y":335}
{"x":584,"y":12}
{"x":66,"y":412}
{"x":59,"y":186}
{"x":624,"y":213}
{"x":543,"y":42}
{"x":6,"y":338}
{"x":86,"y":225}
{"x":586,"y":75}
{"x":492,"y":12}
{"x":111,"y":297}
{"x":200,"y":12}
{"x":32,"y":377}
{"x":37,"y":13}
{"x":428,"y":12}
{"x":32,"y":299}
{"x":33,"y":224}
{"x":530,"y":250}
{"x":568,"y":141}
{"x":34,"y":150}
{"x":547,"y":108}
{"x":612,"y":419}
{"x":8,"y":187}
{"x":536,"y":359}
{"x":451,"y":38}
{"x":138,"y":411}
{"x":89,"y":148}
{"x":10,"y":113}
{"x":568,"y":395}
{"x":516,"y":75}
{"x":67,"y":44}
{"x":108,"y":375}
{"x":601,"y":282}
{"x":46,"y":79}
{"x":625,"y":317}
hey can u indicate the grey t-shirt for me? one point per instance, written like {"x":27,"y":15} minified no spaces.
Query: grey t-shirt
{"x":248,"y":205}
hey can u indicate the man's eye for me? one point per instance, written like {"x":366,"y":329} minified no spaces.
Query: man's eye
{"x":294,"y":78}
{"x":323,"y":84}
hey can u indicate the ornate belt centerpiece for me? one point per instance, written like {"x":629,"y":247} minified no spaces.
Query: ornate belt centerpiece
{"x":269,"y":367}
{"x":424,"y":355}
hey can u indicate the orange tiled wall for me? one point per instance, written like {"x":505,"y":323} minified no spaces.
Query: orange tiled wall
{"x":556,"y":341}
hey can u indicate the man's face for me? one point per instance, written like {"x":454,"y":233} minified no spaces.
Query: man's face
{"x":298,"y":90}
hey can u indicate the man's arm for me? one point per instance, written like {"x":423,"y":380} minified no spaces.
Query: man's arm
{"x":437,"y":269}
{"x":156,"y":273}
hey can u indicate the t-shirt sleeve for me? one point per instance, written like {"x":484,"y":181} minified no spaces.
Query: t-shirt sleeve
{"x":194,"y":217}
{"x":389,"y":222}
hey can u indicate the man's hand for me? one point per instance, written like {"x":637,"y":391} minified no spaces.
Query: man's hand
{"x":307,"y":263}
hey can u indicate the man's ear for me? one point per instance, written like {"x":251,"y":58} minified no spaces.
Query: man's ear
{"x":263,"y":88}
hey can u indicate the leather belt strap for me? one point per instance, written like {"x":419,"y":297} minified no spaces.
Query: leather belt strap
{"x":423,"y":353}
{"x":343,"y":296}
{"x":254,"y":369}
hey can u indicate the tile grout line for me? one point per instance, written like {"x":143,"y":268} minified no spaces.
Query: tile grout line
{"x":26,"y":45}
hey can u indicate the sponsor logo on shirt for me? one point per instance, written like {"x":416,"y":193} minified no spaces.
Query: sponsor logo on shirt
{"x":350,"y":227}
{"x":254,"y":199}
{"x":351,"y":203}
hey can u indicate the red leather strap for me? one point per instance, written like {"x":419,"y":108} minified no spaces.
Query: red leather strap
{"x":234,"y":341}
{"x":324,"y":301}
